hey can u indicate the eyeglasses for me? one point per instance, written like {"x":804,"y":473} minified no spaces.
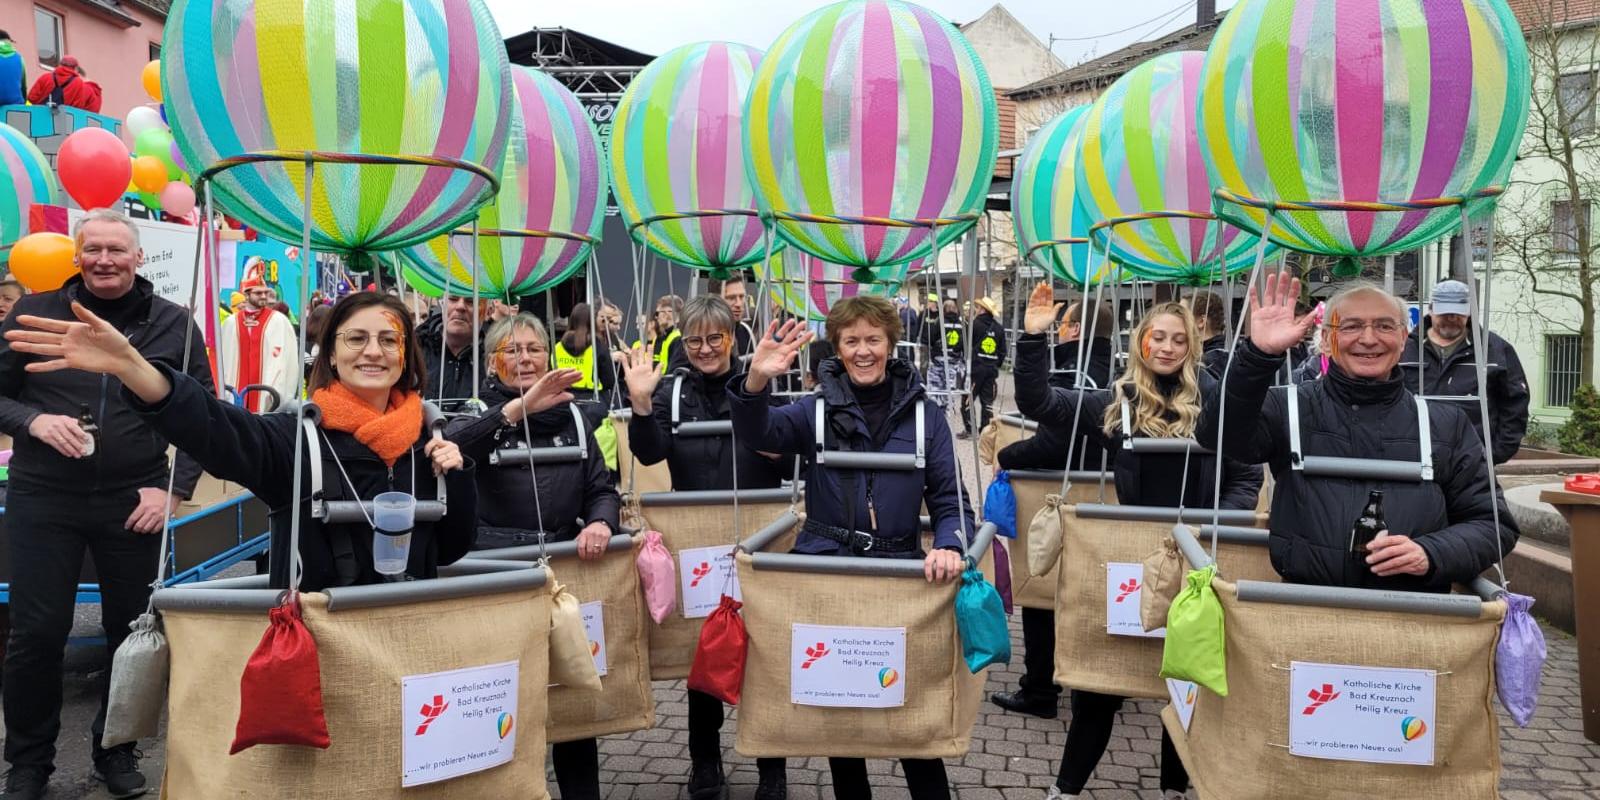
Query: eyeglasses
{"x":714,"y":342}
{"x":1382,"y":327}
{"x":388,"y":341}
{"x":519,"y":350}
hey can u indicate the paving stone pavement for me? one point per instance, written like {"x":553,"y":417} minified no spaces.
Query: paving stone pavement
{"x":1015,"y":757}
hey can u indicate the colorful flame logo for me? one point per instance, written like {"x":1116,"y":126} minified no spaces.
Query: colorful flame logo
{"x":1412,"y":728}
{"x":594,"y":648}
{"x":504,"y":724}
{"x":1188,"y":699}
{"x":887,"y":676}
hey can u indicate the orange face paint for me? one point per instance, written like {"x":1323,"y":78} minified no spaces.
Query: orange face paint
{"x":1145,"y":345}
{"x":399,"y":328}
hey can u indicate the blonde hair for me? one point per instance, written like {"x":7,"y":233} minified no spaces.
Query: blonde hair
{"x":1151,"y":408}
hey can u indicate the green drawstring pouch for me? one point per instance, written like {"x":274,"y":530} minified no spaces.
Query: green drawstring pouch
{"x":1196,"y":649}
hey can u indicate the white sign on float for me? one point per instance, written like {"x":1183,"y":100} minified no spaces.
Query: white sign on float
{"x":457,"y":722}
{"x":702,"y":574}
{"x":1124,"y":583}
{"x":169,"y":251}
{"x":1184,"y":694}
{"x":847,"y":667}
{"x":594,"y":625}
{"x":1372,"y":714}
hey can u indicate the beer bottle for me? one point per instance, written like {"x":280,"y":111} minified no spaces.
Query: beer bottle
{"x":1368,"y":525}
{"x":87,"y":423}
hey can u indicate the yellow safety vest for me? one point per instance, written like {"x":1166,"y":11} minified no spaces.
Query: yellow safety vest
{"x":583,"y":363}
{"x":665,"y":347}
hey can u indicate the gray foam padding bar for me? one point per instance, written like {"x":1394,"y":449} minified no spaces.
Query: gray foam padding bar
{"x":844,"y":459}
{"x":1234,"y":534}
{"x":478,"y":566}
{"x":376,"y":595}
{"x":1077,"y":476}
{"x":1018,"y":421}
{"x":339,"y":511}
{"x":197,"y":597}
{"x":759,"y":540}
{"x":241,"y":582}
{"x":848,"y":565}
{"x":717,"y":496}
{"x":1446,"y":605}
{"x":1193,"y":552}
{"x":1194,"y":516}
{"x":537,"y":455}
{"x":1144,"y":444}
{"x":531,"y":552}
{"x":714,"y":427}
{"x":1371,"y":469}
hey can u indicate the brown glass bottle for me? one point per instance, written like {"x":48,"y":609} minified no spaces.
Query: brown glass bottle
{"x":1368,"y":525}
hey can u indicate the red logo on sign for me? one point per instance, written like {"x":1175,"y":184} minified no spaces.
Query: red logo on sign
{"x":1128,"y":587}
{"x":1319,"y":698}
{"x":431,"y":712}
{"x":699,"y":572}
{"x":814,"y":653}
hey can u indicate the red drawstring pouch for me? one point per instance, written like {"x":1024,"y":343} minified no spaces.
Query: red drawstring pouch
{"x":280,"y":694}
{"x":1002,"y":574}
{"x":718,"y":668}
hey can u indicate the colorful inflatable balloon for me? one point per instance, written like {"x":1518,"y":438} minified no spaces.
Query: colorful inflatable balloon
{"x":1140,"y":156}
{"x":25,"y":179}
{"x":1384,"y":101}
{"x":1044,"y":203}
{"x":870,"y":109}
{"x":677,"y":146}
{"x":554,"y":181}
{"x":830,"y":283}
{"x":410,"y":78}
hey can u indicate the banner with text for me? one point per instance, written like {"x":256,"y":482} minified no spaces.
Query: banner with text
{"x":847,"y":667}
{"x":1374,"y":714}
{"x":457,"y":722}
{"x":702,"y":573}
{"x":1124,"y":582}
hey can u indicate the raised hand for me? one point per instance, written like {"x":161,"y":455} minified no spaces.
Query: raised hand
{"x":550,"y":391}
{"x":1041,"y":311}
{"x":91,"y":344}
{"x":642,"y":375}
{"x":775,"y":353}
{"x":1273,"y":326}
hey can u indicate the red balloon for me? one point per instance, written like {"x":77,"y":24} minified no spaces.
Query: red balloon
{"x":94,"y":167}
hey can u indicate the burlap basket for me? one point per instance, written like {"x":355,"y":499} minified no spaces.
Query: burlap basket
{"x":1086,"y":656}
{"x":942,"y":695}
{"x":364,"y":652}
{"x":1236,"y":746}
{"x":702,"y":524}
{"x":1030,"y":487}
{"x":633,"y":476}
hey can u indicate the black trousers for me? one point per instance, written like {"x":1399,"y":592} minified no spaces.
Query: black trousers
{"x":46,"y":536}
{"x":925,"y":778}
{"x":985,"y":385}
{"x":1039,"y":652}
{"x":705,"y":733}
{"x":577,"y":765}
{"x":1093,"y":715}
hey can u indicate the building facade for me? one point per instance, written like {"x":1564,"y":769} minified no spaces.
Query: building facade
{"x":112,"y":40}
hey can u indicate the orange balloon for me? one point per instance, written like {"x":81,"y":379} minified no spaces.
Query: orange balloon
{"x":149,"y":174}
{"x":151,"y":78}
{"x":43,"y":261}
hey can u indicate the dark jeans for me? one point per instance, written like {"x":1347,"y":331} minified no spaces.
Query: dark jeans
{"x":47,"y":534}
{"x":985,"y":384}
{"x":705,"y":733}
{"x":1039,"y":652}
{"x":1093,"y":715}
{"x":577,"y":765}
{"x":925,"y":778}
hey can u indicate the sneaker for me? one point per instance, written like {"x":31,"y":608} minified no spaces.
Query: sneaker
{"x":705,"y":780}
{"x":1055,"y":794}
{"x":774,"y":784}
{"x":26,"y":783}
{"x":118,"y":769}
{"x":964,"y":435}
{"x":1024,"y":702}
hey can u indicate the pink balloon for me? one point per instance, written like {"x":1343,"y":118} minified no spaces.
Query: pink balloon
{"x":177,"y":199}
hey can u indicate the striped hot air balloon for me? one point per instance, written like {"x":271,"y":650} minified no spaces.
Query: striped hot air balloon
{"x":406,"y":78}
{"x":554,"y":182}
{"x":25,"y":178}
{"x":786,"y":283}
{"x":870,"y":109}
{"x":1044,"y":203}
{"x":1140,"y":156}
{"x":1379,"y":101}
{"x":677,"y":147}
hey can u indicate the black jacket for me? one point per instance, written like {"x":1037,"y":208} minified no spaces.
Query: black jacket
{"x":699,"y":462}
{"x":988,"y":342}
{"x":1457,"y":376}
{"x":1142,"y":479}
{"x":945,"y":337}
{"x":130,"y":454}
{"x":257,"y":451}
{"x":1214,"y":354}
{"x":1047,"y":448}
{"x":569,"y":495}
{"x":1098,"y":370}
{"x":439,"y":361}
{"x":1450,"y":517}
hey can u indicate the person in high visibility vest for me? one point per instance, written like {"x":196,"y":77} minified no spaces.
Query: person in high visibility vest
{"x":576,"y":351}
{"x":665,"y":344}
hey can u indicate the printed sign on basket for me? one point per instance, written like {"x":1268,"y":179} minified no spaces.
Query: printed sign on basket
{"x":702,"y":572}
{"x":457,"y":722}
{"x":847,"y":667}
{"x":594,"y":624}
{"x":1374,"y":714}
{"x":1124,"y":582}
{"x":1184,"y":694}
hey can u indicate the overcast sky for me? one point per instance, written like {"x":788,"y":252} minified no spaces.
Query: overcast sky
{"x":1093,"y":27}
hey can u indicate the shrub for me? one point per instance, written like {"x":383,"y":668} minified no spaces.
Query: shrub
{"x":1580,"y":435}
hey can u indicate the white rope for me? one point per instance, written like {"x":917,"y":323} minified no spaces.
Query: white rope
{"x":1227,"y":367}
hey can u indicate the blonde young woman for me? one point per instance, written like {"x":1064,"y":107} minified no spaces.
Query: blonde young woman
{"x":1163,"y":389}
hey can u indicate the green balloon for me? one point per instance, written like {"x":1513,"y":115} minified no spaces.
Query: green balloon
{"x":151,"y":200}
{"x":156,"y":143}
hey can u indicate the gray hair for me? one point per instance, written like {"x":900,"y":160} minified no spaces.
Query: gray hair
{"x":1354,"y":288}
{"x":707,"y":311}
{"x":105,"y":215}
{"x":502,"y":329}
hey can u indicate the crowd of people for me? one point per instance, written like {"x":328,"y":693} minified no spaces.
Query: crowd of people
{"x":105,"y":345}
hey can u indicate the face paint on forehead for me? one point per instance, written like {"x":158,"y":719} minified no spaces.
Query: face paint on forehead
{"x":399,"y":328}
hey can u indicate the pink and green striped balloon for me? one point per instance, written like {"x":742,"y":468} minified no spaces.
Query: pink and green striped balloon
{"x":1140,"y":156}
{"x":1377,"y":101}
{"x":786,"y":283}
{"x":391,"y":78}
{"x":870,"y":109}
{"x":1044,"y":200}
{"x":554,"y":181}
{"x":677,"y":146}
{"x":25,"y":178}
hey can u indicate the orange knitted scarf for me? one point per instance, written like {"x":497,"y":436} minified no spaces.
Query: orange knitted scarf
{"x":389,"y":434}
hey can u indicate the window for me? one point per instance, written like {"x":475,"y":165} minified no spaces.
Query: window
{"x":1576,"y":93}
{"x":155,"y":51}
{"x":1564,"y":228}
{"x":48,"y":28}
{"x":1563,"y":363}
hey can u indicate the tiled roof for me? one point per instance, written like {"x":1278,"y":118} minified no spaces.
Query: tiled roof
{"x":1109,"y":67}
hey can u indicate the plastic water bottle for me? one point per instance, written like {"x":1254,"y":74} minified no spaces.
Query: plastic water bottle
{"x":393,"y":514}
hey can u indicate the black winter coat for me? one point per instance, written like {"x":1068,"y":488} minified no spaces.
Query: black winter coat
{"x":1142,"y":479}
{"x":131,"y":454}
{"x":988,"y":342}
{"x":1450,"y":517}
{"x":1214,"y":354}
{"x":455,"y":370}
{"x":700,"y":462}
{"x":570,"y":495}
{"x":1458,"y":376}
{"x":257,"y":451}
{"x":945,"y":337}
